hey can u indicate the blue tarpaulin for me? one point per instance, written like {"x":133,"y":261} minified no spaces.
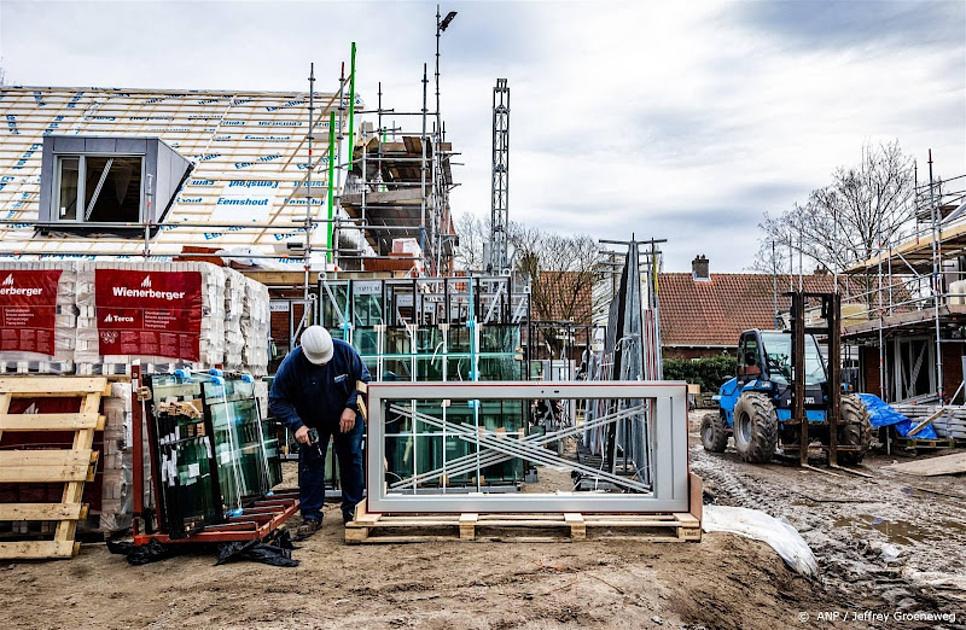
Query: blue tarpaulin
{"x":881,"y":414}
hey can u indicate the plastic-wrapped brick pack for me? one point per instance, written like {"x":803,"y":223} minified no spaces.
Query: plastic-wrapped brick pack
{"x":116,"y":497}
{"x":38,"y":317}
{"x":118,"y":316}
{"x":97,"y":318}
{"x":256,"y":327}
{"x":235,"y":307}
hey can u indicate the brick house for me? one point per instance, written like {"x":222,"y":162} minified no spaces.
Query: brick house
{"x":703,"y":314}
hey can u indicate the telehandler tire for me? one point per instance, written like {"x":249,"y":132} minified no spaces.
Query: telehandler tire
{"x":855,"y":430}
{"x":755,"y":428}
{"x":714,"y":432}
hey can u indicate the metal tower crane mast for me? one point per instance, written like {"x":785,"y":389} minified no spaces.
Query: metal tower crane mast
{"x":500,"y":197}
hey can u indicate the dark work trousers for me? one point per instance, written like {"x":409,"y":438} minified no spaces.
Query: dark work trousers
{"x":348,"y":452}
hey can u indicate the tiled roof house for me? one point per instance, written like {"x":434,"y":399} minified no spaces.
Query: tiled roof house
{"x":703,"y":314}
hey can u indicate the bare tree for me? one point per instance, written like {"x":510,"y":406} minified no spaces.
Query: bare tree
{"x":846,"y":221}
{"x":561,"y":271}
{"x":560,"y":267}
{"x":473,"y":232}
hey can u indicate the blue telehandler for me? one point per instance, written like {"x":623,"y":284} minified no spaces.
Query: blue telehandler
{"x":782,"y":379}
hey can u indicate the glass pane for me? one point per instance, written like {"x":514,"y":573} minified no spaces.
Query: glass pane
{"x":114,"y":186}
{"x":67,"y":199}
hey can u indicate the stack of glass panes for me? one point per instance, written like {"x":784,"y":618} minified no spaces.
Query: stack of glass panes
{"x":216,"y":460}
{"x":396,"y":327}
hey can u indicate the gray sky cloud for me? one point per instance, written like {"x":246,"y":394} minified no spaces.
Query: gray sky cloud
{"x":683,"y":121}
{"x":850,"y":23}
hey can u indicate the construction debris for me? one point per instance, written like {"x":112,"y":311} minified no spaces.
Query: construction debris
{"x":954,"y":464}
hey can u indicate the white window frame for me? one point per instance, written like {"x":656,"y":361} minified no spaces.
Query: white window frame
{"x":82,"y":185}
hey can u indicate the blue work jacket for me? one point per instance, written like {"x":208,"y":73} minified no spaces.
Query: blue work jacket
{"x":315,"y":395}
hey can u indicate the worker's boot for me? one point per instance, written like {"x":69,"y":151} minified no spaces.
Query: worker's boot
{"x":307,"y":528}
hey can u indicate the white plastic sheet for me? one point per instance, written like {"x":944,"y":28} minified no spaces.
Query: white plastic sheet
{"x":781,"y":536}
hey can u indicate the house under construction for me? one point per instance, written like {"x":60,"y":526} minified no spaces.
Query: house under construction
{"x":912,"y":343}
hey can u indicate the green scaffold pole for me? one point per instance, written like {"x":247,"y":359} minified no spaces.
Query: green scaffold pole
{"x":331,"y":186}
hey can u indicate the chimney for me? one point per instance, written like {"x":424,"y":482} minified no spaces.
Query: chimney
{"x":699,"y":268}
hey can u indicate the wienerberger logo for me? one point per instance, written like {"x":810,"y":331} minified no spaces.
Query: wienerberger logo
{"x":147,"y":292}
{"x":7,"y":288}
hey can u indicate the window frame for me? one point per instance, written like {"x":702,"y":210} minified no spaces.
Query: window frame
{"x":82,"y":185}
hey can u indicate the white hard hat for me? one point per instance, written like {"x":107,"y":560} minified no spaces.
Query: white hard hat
{"x":317,"y":345}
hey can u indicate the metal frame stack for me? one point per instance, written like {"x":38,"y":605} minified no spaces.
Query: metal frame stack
{"x":630,"y":350}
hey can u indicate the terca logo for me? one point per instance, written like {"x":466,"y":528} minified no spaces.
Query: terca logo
{"x":7,"y":288}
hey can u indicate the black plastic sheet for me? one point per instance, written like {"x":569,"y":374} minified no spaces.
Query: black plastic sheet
{"x":275,"y":551}
{"x":142,"y":554}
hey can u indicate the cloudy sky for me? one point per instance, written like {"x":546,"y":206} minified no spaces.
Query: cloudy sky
{"x":683,"y":120}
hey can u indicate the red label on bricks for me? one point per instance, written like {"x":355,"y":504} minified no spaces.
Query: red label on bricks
{"x":149,"y":313}
{"x":28,"y":310}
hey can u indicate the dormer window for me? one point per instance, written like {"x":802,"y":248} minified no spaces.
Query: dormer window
{"x":99,"y":188}
{"x":96,"y":183}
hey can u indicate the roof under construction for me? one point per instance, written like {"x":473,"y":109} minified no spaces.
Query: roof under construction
{"x":248,"y":152}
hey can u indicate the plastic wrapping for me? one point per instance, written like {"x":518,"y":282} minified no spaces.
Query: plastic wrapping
{"x":781,"y":536}
{"x":116,"y":496}
{"x":881,"y":414}
{"x":234,"y":322}
{"x":256,"y":327}
{"x":235,"y":307}
{"x":212,"y":332}
{"x":65,"y":321}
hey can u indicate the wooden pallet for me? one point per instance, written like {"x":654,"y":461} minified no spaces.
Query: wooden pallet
{"x":914,"y":444}
{"x":530,"y":528}
{"x":72,"y":466}
{"x":543,"y":527}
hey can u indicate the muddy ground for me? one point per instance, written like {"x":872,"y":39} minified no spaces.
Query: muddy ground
{"x":891,"y":543}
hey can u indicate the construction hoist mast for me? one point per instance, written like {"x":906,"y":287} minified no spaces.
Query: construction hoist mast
{"x":499,"y":202}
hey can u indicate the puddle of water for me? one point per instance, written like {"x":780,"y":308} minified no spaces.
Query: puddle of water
{"x":900,"y":532}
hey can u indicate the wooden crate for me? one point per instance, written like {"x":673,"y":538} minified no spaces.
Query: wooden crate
{"x":543,"y":527}
{"x":71,"y":466}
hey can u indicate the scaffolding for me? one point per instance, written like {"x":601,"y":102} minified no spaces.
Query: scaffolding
{"x":396,"y":199}
{"x":907,"y":303}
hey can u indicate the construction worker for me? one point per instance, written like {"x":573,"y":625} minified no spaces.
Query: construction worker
{"x":315,"y":391}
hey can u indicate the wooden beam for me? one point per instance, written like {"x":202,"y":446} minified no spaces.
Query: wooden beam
{"x":56,"y":386}
{"x":4,"y":407}
{"x":39,"y":466}
{"x":919,"y":427}
{"x":36,"y":549}
{"x":41,"y":511}
{"x":578,"y":529}
{"x":74,"y":491}
{"x":50,"y":421}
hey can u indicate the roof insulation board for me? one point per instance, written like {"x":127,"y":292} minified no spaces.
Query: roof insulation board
{"x":248,"y":149}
